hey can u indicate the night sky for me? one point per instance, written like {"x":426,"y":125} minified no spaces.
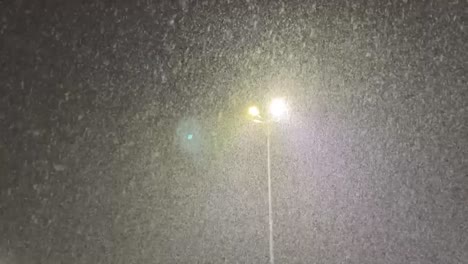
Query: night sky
{"x":124,"y":135}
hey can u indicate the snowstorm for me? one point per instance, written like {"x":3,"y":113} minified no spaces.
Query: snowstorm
{"x":236,"y":131}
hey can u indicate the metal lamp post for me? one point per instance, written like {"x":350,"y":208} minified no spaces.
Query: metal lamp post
{"x":277,"y":110}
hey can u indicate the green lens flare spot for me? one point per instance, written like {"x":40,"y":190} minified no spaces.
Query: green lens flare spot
{"x":190,"y":136}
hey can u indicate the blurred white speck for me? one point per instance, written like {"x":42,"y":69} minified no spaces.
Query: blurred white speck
{"x":368,"y":55}
{"x":59,"y":167}
{"x":34,"y":219}
{"x":183,"y":5}
{"x":36,"y":133}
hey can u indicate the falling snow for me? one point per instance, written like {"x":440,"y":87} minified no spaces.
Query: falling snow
{"x":125,"y":136}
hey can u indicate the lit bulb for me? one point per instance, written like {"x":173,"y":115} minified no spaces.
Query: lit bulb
{"x":278,"y":108}
{"x":253,"y":111}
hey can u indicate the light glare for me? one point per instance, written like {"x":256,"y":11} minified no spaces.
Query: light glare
{"x":278,"y":108}
{"x":253,"y":111}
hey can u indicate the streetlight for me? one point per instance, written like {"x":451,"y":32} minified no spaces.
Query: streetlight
{"x":253,"y":111}
{"x":278,"y":110}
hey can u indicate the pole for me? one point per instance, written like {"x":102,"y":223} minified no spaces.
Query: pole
{"x":270,"y":212}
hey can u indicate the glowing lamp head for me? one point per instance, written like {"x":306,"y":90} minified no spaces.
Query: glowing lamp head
{"x":253,"y":111}
{"x":278,"y":108}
